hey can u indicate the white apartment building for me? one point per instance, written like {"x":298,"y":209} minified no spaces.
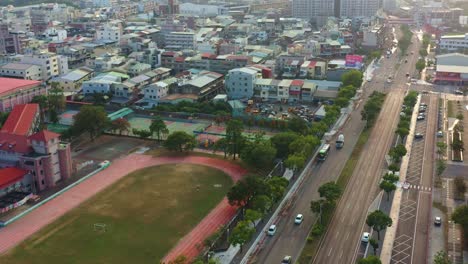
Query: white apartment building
{"x":108,"y":33}
{"x":316,"y":10}
{"x":21,"y":71}
{"x":359,"y":8}
{"x":55,"y":34}
{"x":180,"y":40}
{"x":240,"y":83}
{"x":154,"y":92}
{"x":454,"y":43}
{"x":202,"y":10}
{"x":101,"y":3}
{"x":51,"y":64}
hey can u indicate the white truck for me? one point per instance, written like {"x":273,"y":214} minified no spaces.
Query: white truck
{"x":339,"y":141}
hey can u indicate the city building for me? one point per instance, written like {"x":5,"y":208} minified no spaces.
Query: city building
{"x":153,"y":93}
{"x":317,"y":11}
{"x":50,"y":63}
{"x":359,"y":8}
{"x":453,"y":43}
{"x":21,"y":71}
{"x":205,"y":86}
{"x":72,"y":81}
{"x":202,"y":10}
{"x":373,"y":36}
{"x":40,"y":155}
{"x":108,"y":33}
{"x":209,"y":62}
{"x":180,"y":41}
{"x":15,"y":92}
{"x":104,"y":83}
{"x":451,"y":69}
{"x":10,"y":42}
{"x":240,"y":83}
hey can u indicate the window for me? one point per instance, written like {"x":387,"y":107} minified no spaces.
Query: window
{"x":42,"y":182}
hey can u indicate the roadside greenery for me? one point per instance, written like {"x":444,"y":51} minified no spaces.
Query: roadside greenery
{"x":370,"y":260}
{"x":405,"y":41}
{"x":372,"y":108}
{"x":378,"y":221}
{"x":212,"y":108}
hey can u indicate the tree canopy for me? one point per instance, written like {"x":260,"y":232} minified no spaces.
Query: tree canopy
{"x":242,"y":233}
{"x":234,"y":138}
{"x":159,"y":127}
{"x":353,"y":78}
{"x":370,"y":260}
{"x":90,"y":119}
{"x":378,"y":221}
{"x":180,"y":141}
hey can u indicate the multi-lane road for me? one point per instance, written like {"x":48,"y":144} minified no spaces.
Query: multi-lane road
{"x":289,"y":238}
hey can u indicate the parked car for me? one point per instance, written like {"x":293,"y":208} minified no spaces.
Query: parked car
{"x":421,"y":117}
{"x":437,"y":221}
{"x":418,"y":135}
{"x":440,"y":134}
{"x":272,"y":230}
{"x":365,"y":237}
{"x":298,"y":220}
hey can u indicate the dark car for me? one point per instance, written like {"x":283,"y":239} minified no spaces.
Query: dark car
{"x":287,"y":260}
{"x":418,"y":135}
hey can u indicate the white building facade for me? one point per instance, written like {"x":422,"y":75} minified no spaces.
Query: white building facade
{"x":454,"y":43}
{"x":240,"y":83}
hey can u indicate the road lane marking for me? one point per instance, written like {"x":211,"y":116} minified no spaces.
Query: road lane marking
{"x":329,"y":252}
{"x":341,"y":254}
{"x":347,"y":235}
{"x":337,"y":233}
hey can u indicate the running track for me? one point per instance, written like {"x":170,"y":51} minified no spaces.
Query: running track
{"x":18,"y":231}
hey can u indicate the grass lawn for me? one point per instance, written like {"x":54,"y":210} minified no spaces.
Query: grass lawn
{"x":451,"y":109}
{"x":146,"y":213}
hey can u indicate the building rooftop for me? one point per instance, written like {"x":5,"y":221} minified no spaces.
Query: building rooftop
{"x":9,"y":176}
{"x":44,"y":136}
{"x":11,"y":84}
{"x":20,"y":120}
{"x":75,"y":75}
{"x":452,"y":68}
{"x":17,"y":66}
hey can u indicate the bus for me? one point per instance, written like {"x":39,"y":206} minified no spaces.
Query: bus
{"x":323,"y":153}
{"x":339,"y":141}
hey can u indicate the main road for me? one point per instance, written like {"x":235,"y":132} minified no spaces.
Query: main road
{"x":289,"y":238}
{"x":342,"y":240}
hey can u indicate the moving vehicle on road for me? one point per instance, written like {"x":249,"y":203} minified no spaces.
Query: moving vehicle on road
{"x":437,"y":221}
{"x":339,"y":141}
{"x":286,"y":260}
{"x":365,"y":237}
{"x":440,"y":134}
{"x":298,"y":220}
{"x":272,"y":230}
{"x":323,"y":153}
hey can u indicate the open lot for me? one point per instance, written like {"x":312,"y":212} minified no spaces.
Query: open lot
{"x":143,"y":215}
{"x":188,"y":127}
{"x":107,"y":148}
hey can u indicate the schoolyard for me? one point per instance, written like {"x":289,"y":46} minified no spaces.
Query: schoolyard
{"x":138,"y":219}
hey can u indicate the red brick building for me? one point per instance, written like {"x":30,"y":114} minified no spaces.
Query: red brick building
{"x":17,"y":91}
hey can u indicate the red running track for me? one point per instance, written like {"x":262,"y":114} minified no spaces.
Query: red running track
{"x":18,"y":231}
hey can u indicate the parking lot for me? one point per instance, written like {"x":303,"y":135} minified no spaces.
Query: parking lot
{"x":284,"y":111}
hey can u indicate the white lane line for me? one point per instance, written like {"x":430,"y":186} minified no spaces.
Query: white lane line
{"x":341,"y":254}
{"x":337,"y":233}
{"x":347,"y":235}
{"x":329,"y":252}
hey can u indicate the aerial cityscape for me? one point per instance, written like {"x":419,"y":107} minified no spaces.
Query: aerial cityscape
{"x":233,"y":132}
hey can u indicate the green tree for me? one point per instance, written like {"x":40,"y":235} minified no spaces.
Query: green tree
{"x":423,"y":52}
{"x":392,"y":178}
{"x":239,"y":194}
{"x":252,"y":216}
{"x":277,"y":186}
{"x":304,"y":145}
{"x":388,"y":187}
{"x":370,"y":260}
{"x":378,"y":221}
{"x":342,"y":102}
{"x":121,"y":125}
{"x":295,"y":161}
{"x":374,"y":244}
{"x":43,"y":103}
{"x":441,"y":166}
{"x":402,"y":132}
{"x":460,"y":187}
{"x":159,"y":127}
{"x":353,"y":77}
{"x":330,"y":191}
{"x":460,"y":216}
{"x":297,"y":125}
{"x":259,"y":153}
{"x":221,"y":144}
{"x":320,"y":206}
{"x":56,"y":99}
{"x":420,"y":65}
{"x":397,"y":152}
{"x":234,"y":138}
{"x":393,"y":167}
{"x":261,"y":203}
{"x":376,"y":54}
{"x":460,"y":116}
{"x":241,"y":234}
{"x":457,"y":145}
{"x":441,"y":147}
{"x":180,"y":141}
{"x":441,"y":257}
{"x":90,"y":119}
{"x":281,"y":142}
{"x":142,"y":133}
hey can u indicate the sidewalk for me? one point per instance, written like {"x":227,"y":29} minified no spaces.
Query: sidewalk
{"x":454,"y":250}
{"x":390,"y":233}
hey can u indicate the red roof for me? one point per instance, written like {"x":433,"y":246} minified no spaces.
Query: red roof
{"x":312,"y":64}
{"x":168,"y":53}
{"x":297,"y":83}
{"x":9,"y":176}
{"x":14,"y":143}
{"x":11,"y":84}
{"x":207,"y":55}
{"x":44,"y":136}
{"x":20,"y":120}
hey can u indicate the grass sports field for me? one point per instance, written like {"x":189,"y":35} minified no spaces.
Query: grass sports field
{"x":144,"y":123}
{"x":145,"y":214}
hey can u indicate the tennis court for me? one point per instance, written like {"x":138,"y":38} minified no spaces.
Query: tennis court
{"x":57,"y":128}
{"x":66,"y":118}
{"x":188,"y":127}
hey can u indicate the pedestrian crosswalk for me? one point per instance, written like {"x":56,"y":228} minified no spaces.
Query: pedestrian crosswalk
{"x":418,"y":187}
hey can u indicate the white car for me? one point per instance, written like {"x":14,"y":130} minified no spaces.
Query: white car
{"x":272,"y":230}
{"x":298,"y":220}
{"x":365,"y":237}
{"x":420,"y":117}
{"x":440,"y":134}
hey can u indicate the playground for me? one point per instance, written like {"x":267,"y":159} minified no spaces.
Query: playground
{"x":137,"y":218}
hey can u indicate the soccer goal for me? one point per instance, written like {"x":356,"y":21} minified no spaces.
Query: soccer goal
{"x":99,"y":227}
